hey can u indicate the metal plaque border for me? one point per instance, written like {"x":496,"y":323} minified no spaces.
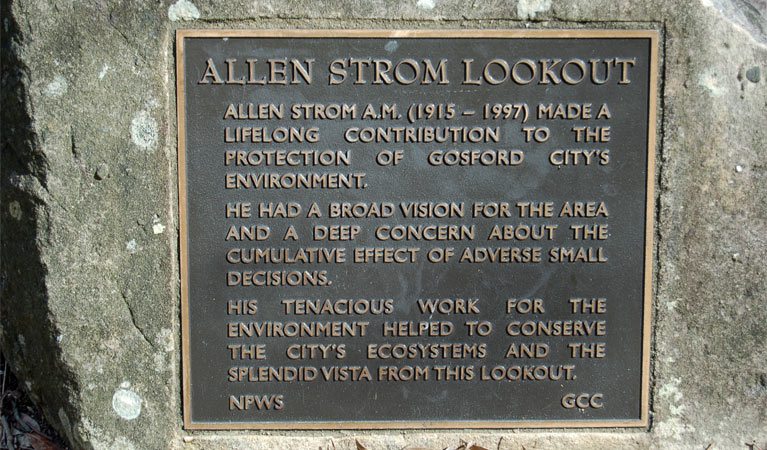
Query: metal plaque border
{"x":643,"y":421}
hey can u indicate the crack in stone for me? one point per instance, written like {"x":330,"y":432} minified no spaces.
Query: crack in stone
{"x":135,"y":325}
{"x":659,"y":201}
{"x":127,"y":40}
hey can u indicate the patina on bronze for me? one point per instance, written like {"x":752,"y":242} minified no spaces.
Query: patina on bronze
{"x":409,"y":229}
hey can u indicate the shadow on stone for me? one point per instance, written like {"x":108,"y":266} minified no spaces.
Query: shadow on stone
{"x":26,"y":329}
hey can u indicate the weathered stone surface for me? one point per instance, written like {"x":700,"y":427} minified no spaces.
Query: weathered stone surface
{"x":88,"y":304}
{"x":90,"y":299}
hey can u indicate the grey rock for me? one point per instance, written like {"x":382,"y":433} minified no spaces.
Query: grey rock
{"x":90,"y":300}
{"x":102,"y":172}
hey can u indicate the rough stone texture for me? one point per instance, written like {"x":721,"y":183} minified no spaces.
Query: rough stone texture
{"x":89,"y":299}
{"x":89,"y":238}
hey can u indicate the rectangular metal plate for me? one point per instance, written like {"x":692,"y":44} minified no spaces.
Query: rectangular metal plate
{"x":416,"y":229}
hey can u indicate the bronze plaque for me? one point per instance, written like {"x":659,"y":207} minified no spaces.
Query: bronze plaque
{"x":416,"y":229}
